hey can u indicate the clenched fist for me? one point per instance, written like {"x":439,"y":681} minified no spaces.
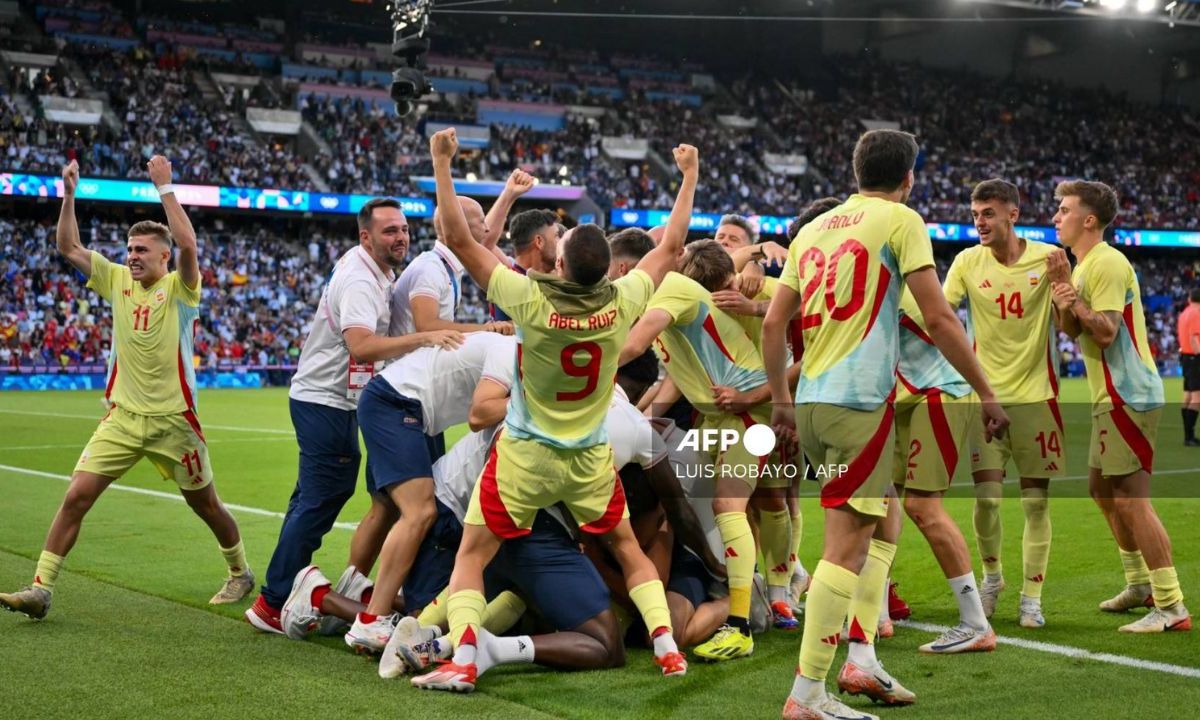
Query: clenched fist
{"x":160,"y":170}
{"x":70,"y":175}
{"x":687,"y":158}
{"x":519,"y":182}
{"x":443,"y":144}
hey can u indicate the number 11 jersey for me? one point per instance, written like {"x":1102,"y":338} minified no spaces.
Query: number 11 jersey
{"x":848,"y":266}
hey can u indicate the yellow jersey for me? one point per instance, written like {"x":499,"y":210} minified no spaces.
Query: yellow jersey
{"x":569,"y":338}
{"x":848,"y":266}
{"x":752,"y":324}
{"x":1123,"y":373}
{"x":1009,"y":320}
{"x":922,"y":366}
{"x":703,"y":346}
{"x":150,"y":369}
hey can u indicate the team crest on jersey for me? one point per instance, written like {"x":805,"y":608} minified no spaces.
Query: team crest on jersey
{"x":1033,"y":279}
{"x":160,"y":296}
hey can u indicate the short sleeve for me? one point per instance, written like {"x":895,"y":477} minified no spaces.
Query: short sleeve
{"x":101,"y":278}
{"x":636,"y":289}
{"x":678,"y":296}
{"x":516,"y":294}
{"x":359,"y":305}
{"x":428,"y":282}
{"x":500,"y":363}
{"x":910,"y":242}
{"x":186,"y":295}
{"x":1108,"y":283}
{"x":955,"y":287}
{"x":790,"y":275}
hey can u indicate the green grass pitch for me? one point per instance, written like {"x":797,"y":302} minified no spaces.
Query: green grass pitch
{"x":130,"y":634}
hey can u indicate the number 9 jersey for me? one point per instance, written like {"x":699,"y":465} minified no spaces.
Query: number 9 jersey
{"x":568,"y":340}
{"x":848,"y":266}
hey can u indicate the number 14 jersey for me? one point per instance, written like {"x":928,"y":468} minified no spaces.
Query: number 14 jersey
{"x":848,"y":266}
{"x":1009,"y":320}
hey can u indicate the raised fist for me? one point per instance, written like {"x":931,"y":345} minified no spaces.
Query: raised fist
{"x":444,"y":144}
{"x":160,"y":170}
{"x":687,"y":158}
{"x":70,"y":175}
{"x":520,"y":182}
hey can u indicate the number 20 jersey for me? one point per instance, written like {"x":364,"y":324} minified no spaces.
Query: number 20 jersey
{"x":848,"y":266}
{"x":1008,"y":320}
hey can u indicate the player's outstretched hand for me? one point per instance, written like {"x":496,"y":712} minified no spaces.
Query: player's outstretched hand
{"x":1058,"y":268}
{"x":1063,"y":295}
{"x":687,"y":157}
{"x":773,"y":253}
{"x":443,"y":339}
{"x":995,"y":420}
{"x":443,"y":144}
{"x":70,"y":175}
{"x":160,"y":170}
{"x":519,"y":182}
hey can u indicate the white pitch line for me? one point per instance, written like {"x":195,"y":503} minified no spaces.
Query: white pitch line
{"x":214,"y":441}
{"x":164,"y":495}
{"x":94,"y":418}
{"x":1072,"y":652}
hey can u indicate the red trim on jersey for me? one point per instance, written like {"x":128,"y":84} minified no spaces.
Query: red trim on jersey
{"x":941,"y":430}
{"x":796,"y":328}
{"x":1117,"y":400}
{"x":612,"y":514}
{"x":520,"y":368}
{"x":1134,"y":438}
{"x":183,"y":385}
{"x":1127,"y":314}
{"x":194,"y":421}
{"x":495,"y":515}
{"x":911,"y":325}
{"x":710,"y":327}
{"x":1053,"y":403}
{"x":112,"y":380}
{"x":1050,"y":368}
{"x":838,"y":491}
{"x":885,"y":277}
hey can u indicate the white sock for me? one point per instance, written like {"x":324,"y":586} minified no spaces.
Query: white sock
{"x":664,"y":644}
{"x":970,"y":608}
{"x":430,"y":632}
{"x":467,"y":653}
{"x":993,"y":578}
{"x":495,"y":650}
{"x":776,"y":593}
{"x":807,"y":690}
{"x":442,"y":647}
{"x":884,"y":614}
{"x":862,"y":654}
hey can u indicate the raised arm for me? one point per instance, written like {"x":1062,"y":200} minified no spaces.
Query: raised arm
{"x":640,"y":336}
{"x":518,"y":183}
{"x":67,"y":233}
{"x":661,"y":260}
{"x":478,"y":260}
{"x":181,"y":227}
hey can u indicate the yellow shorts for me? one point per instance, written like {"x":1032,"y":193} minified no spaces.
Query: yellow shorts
{"x":1123,"y":441}
{"x":1034,"y":442}
{"x":174,"y":443}
{"x":852,"y":451}
{"x":736,"y":461}
{"x":930,"y":435}
{"x":524,"y":476}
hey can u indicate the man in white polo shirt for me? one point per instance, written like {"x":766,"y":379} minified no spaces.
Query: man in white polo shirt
{"x":345,"y":342}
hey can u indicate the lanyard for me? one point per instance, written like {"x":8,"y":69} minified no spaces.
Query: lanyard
{"x":453,"y":279}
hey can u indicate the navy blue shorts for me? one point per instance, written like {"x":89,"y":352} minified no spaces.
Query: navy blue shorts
{"x":549,"y":572}
{"x":434,"y":561}
{"x":689,"y":577}
{"x":393,"y":429}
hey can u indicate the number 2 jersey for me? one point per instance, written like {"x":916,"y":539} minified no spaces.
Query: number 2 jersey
{"x":150,"y":370}
{"x":569,"y":338}
{"x":1009,"y":320}
{"x":848,"y":266}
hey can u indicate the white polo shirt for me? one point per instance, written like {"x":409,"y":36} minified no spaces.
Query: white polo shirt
{"x":444,"y":381}
{"x":356,"y":296}
{"x":436,"y":274}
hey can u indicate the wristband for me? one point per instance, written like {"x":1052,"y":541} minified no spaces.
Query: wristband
{"x":167,"y":189}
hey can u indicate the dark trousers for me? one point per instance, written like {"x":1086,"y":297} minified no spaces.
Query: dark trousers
{"x":329,"y":460}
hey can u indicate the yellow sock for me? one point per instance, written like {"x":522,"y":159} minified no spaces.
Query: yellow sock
{"x":797,"y":534}
{"x":739,"y":560}
{"x":464,"y":612}
{"x":502,"y":613}
{"x":235,"y":558}
{"x":48,"y":567}
{"x":434,"y":614}
{"x":651,"y":602}
{"x":1136,"y":572}
{"x":775,"y":534}
{"x":869,"y":594}
{"x":1164,"y":583}
{"x":828,"y":603}
{"x":988,"y":532}
{"x":1035,"y":541}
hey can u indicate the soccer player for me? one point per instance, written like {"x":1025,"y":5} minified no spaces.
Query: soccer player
{"x":535,"y":237}
{"x":347,"y":340}
{"x":1010,"y":317}
{"x":1188,"y":327}
{"x":554,"y":447}
{"x":151,"y":390}
{"x":1101,"y":305}
{"x":703,"y":348}
{"x":934,"y":414}
{"x":844,"y":272}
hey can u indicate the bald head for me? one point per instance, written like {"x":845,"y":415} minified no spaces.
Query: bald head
{"x":476,"y":219}
{"x":656,"y":233}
